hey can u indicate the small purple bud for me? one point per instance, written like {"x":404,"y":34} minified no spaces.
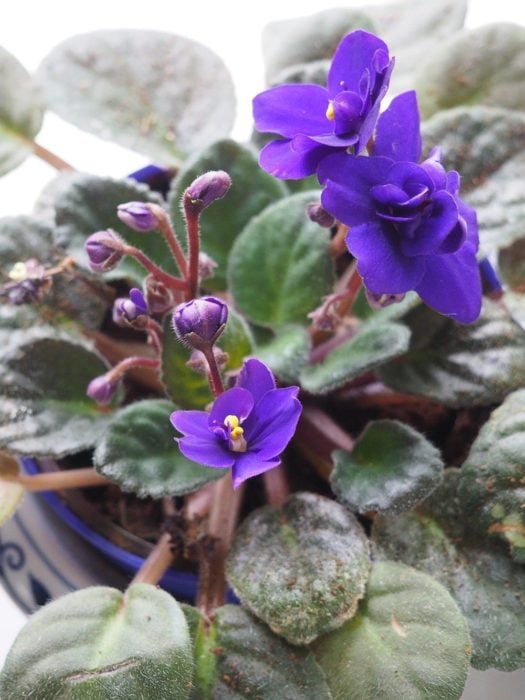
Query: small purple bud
{"x":379,"y":301}
{"x":206,"y":189}
{"x":140,"y":216}
{"x":201,"y":321}
{"x":28,"y":291}
{"x":130,"y":310}
{"x":320,"y":216}
{"x":104,"y":250}
{"x":101,"y":390}
{"x":158,"y":297}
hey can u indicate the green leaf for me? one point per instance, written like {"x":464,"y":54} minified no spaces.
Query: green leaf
{"x":286,"y":353}
{"x":487,"y":146}
{"x":491,"y":488}
{"x":280,"y":265}
{"x":270,"y":566}
{"x":24,"y":237}
{"x":408,"y":640}
{"x":374,"y":344}
{"x":487,"y":585}
{"x":412,"y":30}
{"x":293,"y":42}
{"x":89,"y":203}
{"x":391,"y":468}
{"x":21,"y":112}
{"x":139,"y":452}
{"x":251,"y":191}
{"x":100,"y":643}
{"x":511,"y":264}
{"x":150,"y":91}
{"x":185,"y":386}
{"x":236,"y":656}
{"x":475,"y":365}
{"x":44,"y":410}
{"x":485,"y":65}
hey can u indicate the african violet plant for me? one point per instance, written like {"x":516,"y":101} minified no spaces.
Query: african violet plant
{"x":296,"y":344}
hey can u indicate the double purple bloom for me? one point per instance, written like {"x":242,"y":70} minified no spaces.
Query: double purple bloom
{"x":408,"y":227}
{"x":247,"y":428}
{"x":314,"y":120}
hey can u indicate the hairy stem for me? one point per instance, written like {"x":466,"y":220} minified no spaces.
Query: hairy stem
{"x":172,"y":240}
{"x":118,"y":371}
{"x":214,"y":376}
{"x":276,"y":486}
{"x":169,"y":280}
{"x":192,"y":226}
{"x":55,"y":481}
{"x":157,"y":563}
{"x":318,"y":436}
{"x":50,"y":158}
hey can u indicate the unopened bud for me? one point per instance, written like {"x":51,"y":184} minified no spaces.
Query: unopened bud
{"x":103,"y":249}
{"x":131,"y":310}
{"x":201,"y":321}
{"x":379,"y":301}
{"x":206,"y":189}
{"x":101,"y":390}
{"x":319,"y":216}
{"x":140,"y":216}
{"x":159,"y":298}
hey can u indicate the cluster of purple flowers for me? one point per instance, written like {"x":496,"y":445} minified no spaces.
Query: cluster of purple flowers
{"x":408,"y":228}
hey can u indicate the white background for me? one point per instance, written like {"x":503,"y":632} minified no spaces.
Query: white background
{"x":30,"y":29}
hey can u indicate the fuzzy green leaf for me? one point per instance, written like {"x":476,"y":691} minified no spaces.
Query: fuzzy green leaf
{"x":286,"y":353}
{"x":139,"y":452}
{"x":408,"y":640}
{"x":475,"y":365}
{"x":270,"y":566}
{"x":252,"y":190}
{"x":391,"y":468}
{"x":101,"y":643}
{"x":374,"y":344}
{"x":280,"y":266}
{"x":150,"y":91}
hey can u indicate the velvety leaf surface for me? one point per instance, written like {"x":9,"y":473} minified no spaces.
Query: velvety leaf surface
{"x":240,"y":658}
{"x":290,"y":43}
{"x":408,"y":640}
{"x":487,"y":146}
{"x":186,"y":387}
{"x":412,"y":29}
{"x":474,"y":365}
{"x":150,"y":91}
{"x":89,"y":204}
{"x":280,"y":265}
{"x":286,"y":353}
{"x":139,"y":452}
{"x":251,"y":191}
{"x":301,"y":568}
{"x":100,"y":643}
{"x":485,"y":65}
{"x":391,"y":468}
{"x":487,"y":585}
{"x":44,"y":409}
{"x":492,"y":482}
{"x":374,"y":345}
{"x":21,"y":112}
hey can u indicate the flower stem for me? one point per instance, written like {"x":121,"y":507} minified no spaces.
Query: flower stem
{"x":169,"y":280}
{"x":118,"y":371}
{"x":223,"y":518}
{"x":338,"y":244}
{"x":155,"y":334}
{"x":276,"y":486}
{"x":158,"y":561}
{"x":192,"y":227}
{"x":172,"y":240}
{"x":318,"y":436}
{"x":55,"y":481}
{"x":214,"y":376}
{"x":50,"y":158}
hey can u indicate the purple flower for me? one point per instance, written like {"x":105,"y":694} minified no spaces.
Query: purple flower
{"x":126,"y":310}
{"x":315,"y":120}
{"x":247,"y":428}
{"x":140,"y":216}
{"x":101,"y":390}
{"x":408,"y":227}
{"x":104,"y":250}
{"x":206,"y":189}
{"x":201,"y":321}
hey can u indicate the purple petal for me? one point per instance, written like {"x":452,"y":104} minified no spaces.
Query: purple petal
{"x":397,"y":134}
{"x":288,"y":110}
{"x":411,"y":177}
{"x":210,"y":453}
{"x":437,"y":172}
{"x":284,"y":158}
{"x":347,"y":107}
{"x":273,"y":421}
{"x":234,"y":402}
{"x":353,"y":56}
{"x":348,"y":183}
{"x":194,"y":423}
{"x":383,"y":267}
{"x":248,"y":465}
{"x":256,"y":377}
{"x":433,"y":232}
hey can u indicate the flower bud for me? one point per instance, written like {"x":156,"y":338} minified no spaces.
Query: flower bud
{"x":131,"y":310}
{"x":201,"y":321}
{"x":206,"y":189}
{"x":159,"y":298}
{"x":101,"y":390}
{"x":320,"y":216}
{"x":140,"y":216}
{"x":104,"y":250}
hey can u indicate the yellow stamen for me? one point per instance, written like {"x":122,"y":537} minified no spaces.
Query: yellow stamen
{"x":330,"y":114}
{"x":18,"y":272}
{"x":233,"y":423}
